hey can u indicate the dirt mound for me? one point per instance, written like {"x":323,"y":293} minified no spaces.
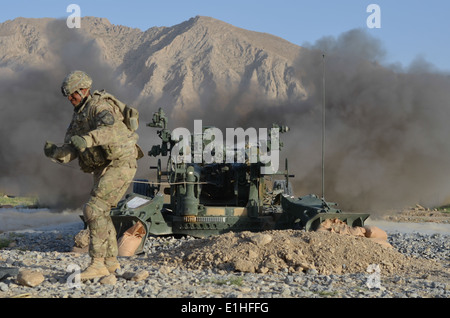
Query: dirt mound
{"x":297,"y":251}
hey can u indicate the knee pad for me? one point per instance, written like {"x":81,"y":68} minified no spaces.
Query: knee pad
{"x":95,"y":208}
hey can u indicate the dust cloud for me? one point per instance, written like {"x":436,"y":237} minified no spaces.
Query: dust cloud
{"x":386,"y":136}
{"x":33,"y":110}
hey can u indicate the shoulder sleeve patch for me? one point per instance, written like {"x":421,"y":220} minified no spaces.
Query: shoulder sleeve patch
{"x":105,"y":118}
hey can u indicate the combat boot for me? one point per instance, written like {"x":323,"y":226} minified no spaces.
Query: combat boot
{"x":112,"y":264}
{"x":96,"y":269}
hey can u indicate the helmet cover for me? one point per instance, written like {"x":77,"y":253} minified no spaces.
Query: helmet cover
{"x":74,"y":82}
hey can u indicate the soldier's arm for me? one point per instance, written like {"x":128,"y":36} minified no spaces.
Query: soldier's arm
{"x":106,"y":122}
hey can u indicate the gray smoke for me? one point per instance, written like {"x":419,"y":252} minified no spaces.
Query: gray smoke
{"x":386,"y":138}
{"x":387,"y":128}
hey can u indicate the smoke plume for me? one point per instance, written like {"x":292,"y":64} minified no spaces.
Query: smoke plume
{"x":386,"y":132}
{"x":386,"y":136}
{"x":34,"y":110}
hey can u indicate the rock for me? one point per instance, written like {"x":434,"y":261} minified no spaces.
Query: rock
{"x":311,"y":271}
{"x":128,"y":275}
{"x":29,"y":278}
{"x":252,"y":254}
{"x":141,"y":275}
{"x":165,"y":269}
{"x":109,"y":280}
{"x":3,"y":287}
{"x":242,"y":265}
{"x":263,"y":270}
{"x":261,"y":239}
{"x":136,"y":276}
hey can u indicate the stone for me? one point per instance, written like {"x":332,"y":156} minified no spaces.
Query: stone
{"x":140,"y":275}
{"x":29,"y":278}
{"x":108,"y":280}
{"x":261,"y":239}
{"x":165,"y":269}
{"x":136,"y":276}
{"x":242,"y":265}
{"x":3,"y":287}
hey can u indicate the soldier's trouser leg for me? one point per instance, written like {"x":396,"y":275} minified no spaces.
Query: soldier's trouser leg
{"x":110,"y":185}
{"x":102,"y":232}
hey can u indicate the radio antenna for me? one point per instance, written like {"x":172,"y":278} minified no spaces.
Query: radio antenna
{"x":323,"y":127}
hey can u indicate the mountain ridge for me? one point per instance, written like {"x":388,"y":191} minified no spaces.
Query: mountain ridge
{"x":181,"y":67}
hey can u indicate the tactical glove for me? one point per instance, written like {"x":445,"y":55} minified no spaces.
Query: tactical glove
{"x":78,"y":142}
{"x":49,"y":149}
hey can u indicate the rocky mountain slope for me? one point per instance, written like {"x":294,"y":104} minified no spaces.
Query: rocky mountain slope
{"x":183,"y":67}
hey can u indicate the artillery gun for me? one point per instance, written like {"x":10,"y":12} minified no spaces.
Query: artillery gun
{"x":203,"y":197}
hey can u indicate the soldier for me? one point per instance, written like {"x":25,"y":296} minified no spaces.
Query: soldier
{"x":107,"y":148}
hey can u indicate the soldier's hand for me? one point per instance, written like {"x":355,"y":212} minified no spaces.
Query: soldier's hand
{"x":49,"y":149}
{"x":78,"y":142}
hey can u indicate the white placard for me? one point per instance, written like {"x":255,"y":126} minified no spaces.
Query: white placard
{"x":136,"y":202}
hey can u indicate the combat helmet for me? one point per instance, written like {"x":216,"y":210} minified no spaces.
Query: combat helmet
{"x":74,"y":82}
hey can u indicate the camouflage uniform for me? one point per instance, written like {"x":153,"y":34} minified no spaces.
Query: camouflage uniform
{"x":110,"y":155}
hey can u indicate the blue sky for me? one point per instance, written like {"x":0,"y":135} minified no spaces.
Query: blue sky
{"x":409,"y":28}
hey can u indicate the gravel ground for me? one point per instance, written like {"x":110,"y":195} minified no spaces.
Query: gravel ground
{"x":48,"y":252}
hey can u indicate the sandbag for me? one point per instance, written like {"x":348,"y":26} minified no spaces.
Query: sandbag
{"x":131,"y":239}
{"x":375,"y":232}
{"x":371,"y":232}
{"x":325,"y":226}
{"x":340,"y":227}
{"x":357,"y":231}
